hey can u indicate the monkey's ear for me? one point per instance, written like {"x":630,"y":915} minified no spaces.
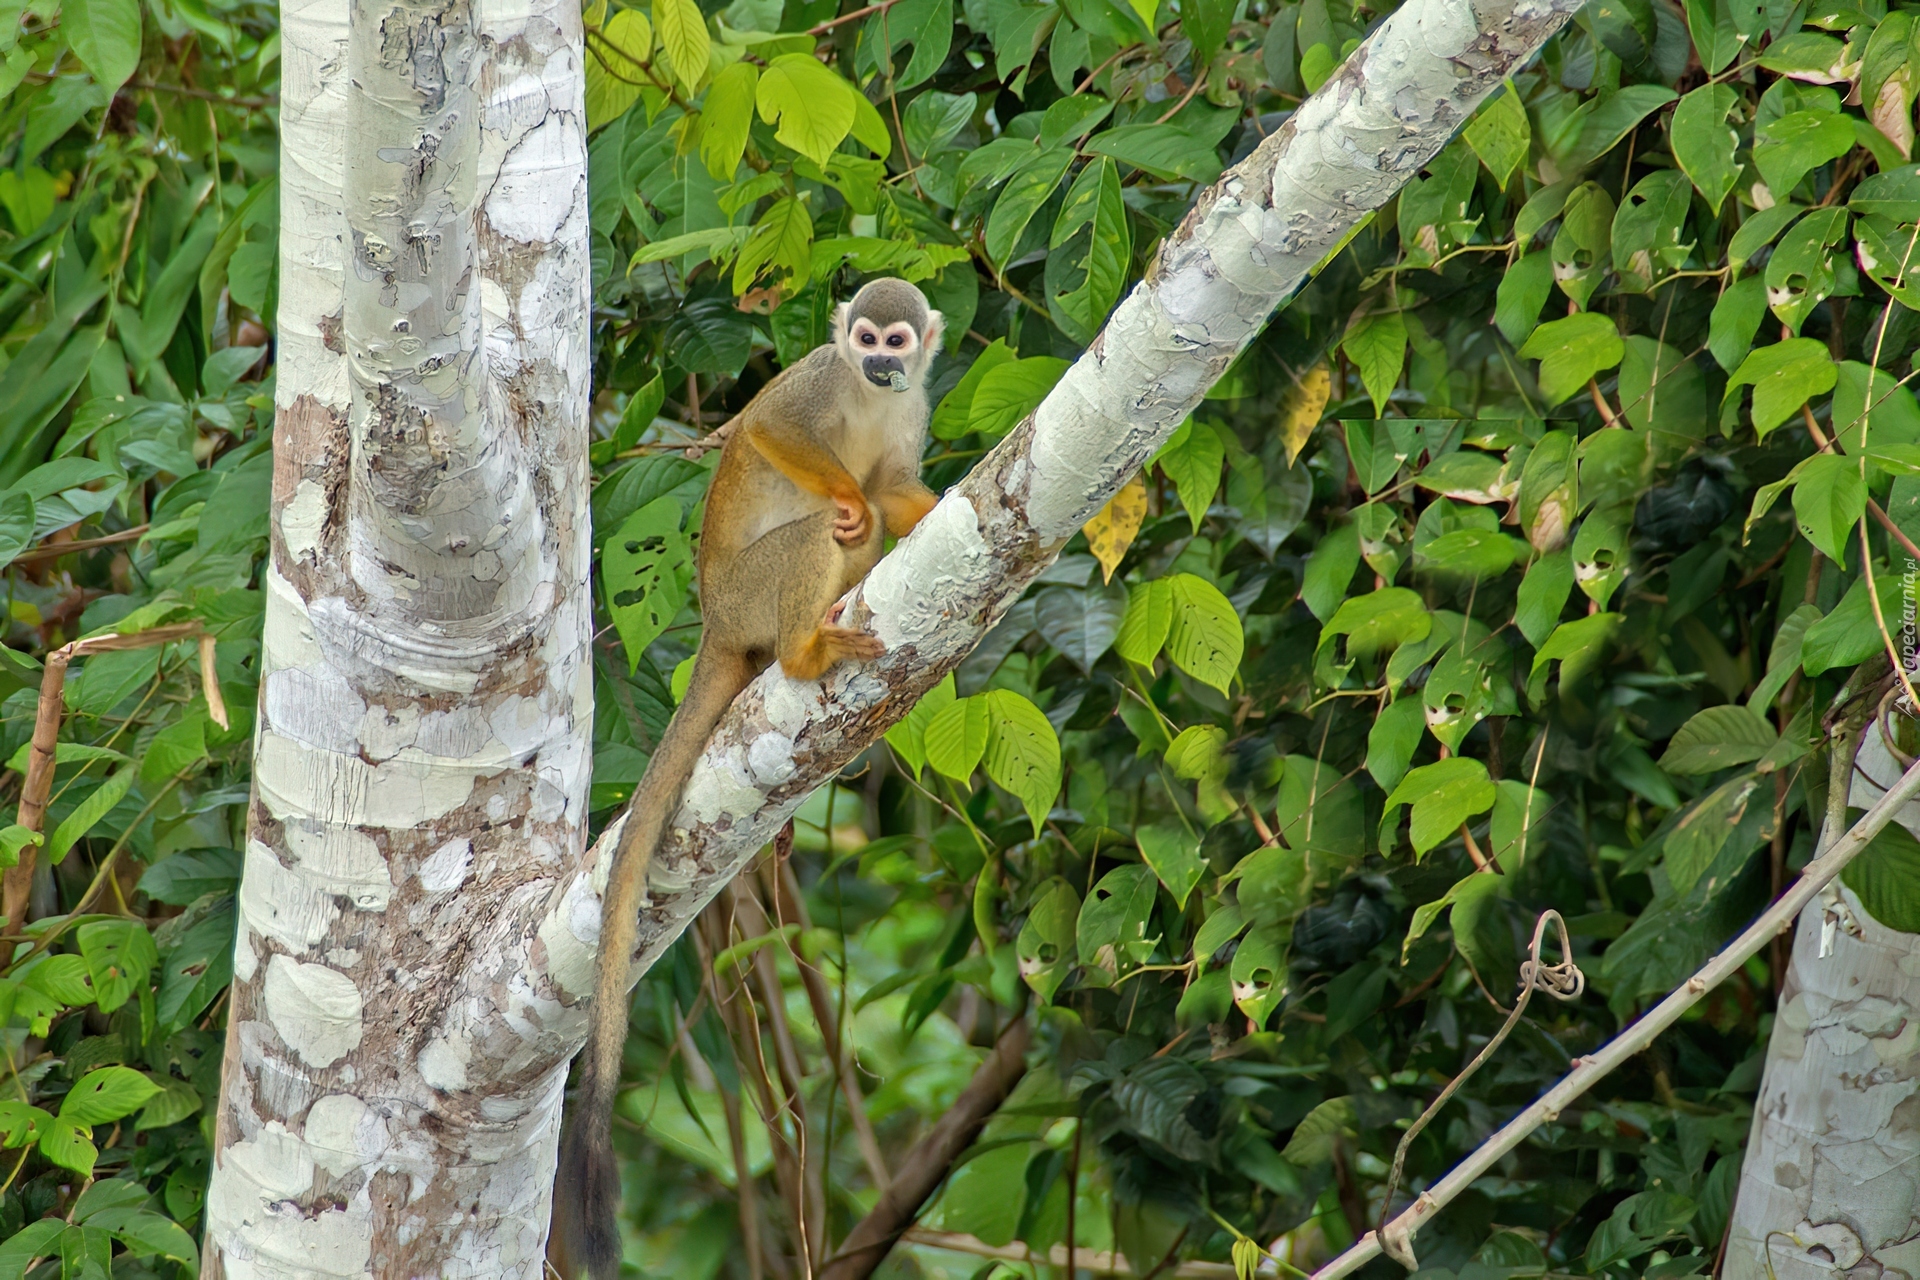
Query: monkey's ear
{"x":936,"y":325}
{"x":841,"y":321}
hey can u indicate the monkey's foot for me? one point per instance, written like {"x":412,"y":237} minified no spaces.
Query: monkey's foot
{"x":851,"y":525}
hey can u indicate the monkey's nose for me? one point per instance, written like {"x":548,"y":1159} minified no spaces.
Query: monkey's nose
{"x":885,"y":371}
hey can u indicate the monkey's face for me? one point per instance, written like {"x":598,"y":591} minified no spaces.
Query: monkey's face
{"x":886,"y":355}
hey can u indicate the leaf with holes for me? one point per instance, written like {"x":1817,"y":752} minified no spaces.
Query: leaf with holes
{"x":119,"y":955}
{"x":1112,"y":931}
{"x":1204,"y":638}
{"x":1022,"y":752}
{"x":1174,"y":854}
{"x":1046,"y":947}
{"x":645,"y":569}
{"x":1828,"y":500}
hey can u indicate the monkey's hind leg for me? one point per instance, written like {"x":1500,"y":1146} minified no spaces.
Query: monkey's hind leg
{"x":813,"y":571}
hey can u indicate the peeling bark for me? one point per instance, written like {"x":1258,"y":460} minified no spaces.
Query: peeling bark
{"x":1831,"y":1181}
{"x":418,"y":916}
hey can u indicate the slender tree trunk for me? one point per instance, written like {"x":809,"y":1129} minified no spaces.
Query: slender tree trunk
{"x":394,"y":1060}
{"x":418,"y":918}
{"x":1831,"y":1181}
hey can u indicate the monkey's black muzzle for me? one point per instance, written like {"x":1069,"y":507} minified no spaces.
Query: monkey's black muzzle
{"x":885,"y":371}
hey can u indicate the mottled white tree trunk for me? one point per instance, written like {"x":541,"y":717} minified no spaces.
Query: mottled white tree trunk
{"x":418,"y":918}
{"x":1831,"y":1181}
{"x":395,"y":1057}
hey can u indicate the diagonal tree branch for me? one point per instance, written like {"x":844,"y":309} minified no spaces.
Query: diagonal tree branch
{"x":1249,"y":243}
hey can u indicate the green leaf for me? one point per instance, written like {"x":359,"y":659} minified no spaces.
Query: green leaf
{"x":617,"y":57}
{"x":1717,"y":738}
{"x":119,"y":955}
{"x":814,"y":107}
{"x":1026,"y":190}
{"x":1392,"y":740}
{"x":1081,"y":622}
{"x":1800,"y":275}
{"x":956,"y":737}
{"x":96,"y":806}
{"x":106,"y":1095}
{"x":1378,"y":621}
{"x":645,"y":569}
{"x":1828,"y":500}
{"x":1789,"y":148}
{"x":682,"y":29}
{"x":954,"y":417}
{"x":1330,"y":571}
{"x":1894,"y":195}
{"x":38,"y":1239}
{"x":1094,"y":206}
{"x":17,"y":522}
{"x":1736,"y":316}
{"x":1783,"y":657}
{"x":21,"y":1124}
{"x":1046,"y":947}
{"x":175,"y":1102}
{"x":1501,"y":135}
{"x":909,"y":737}
{"x":1205,"y":23}
{"x":1703,"y":142}
{"x":146,"y":1233}
{"x":1647,"y":229}
{"x":1191,"y":458}
{"x":1638,"y":1223}
{"x":1886,"y":876}
{"x":105,"y":36}
{"x":1315,"y":1137}
{"x":1577,"y":646}
{"x":1615,"y":116}
{"x":1783,"y":376}
{"x":1377,"y":345}
{"x":1023,"y":752}
{"x":1174,"y":854}
{"x":1474,"y":554}
{"x":70,"y":1145}
{"x":1544,"y":595}
{"x":1522,"y":292}
{"x":726,"y":116}
{"x":1851,"y":634}
{"x":933,"y":118}
{"x":1443,"y":795}
{"x":1008,"y":392}
{"x":1204,"y":637}
{"x":1165,"y":151}
{"x":1226,"y":923}
{"x":1147,"y":623}
{"x":783,"y":239}
{"x":1112,"y":929}
{"x":1572,"y":351}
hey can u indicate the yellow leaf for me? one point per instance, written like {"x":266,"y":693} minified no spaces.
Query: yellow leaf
{"x":1301,"y":410}
{"x":682,"y":30}
{"x":1112,"y":530}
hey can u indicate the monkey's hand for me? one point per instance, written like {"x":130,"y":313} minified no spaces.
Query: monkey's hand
{"x":852,"y":522}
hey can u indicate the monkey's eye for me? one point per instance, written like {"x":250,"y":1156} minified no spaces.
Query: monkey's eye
{"x":866,"y":337}
{"x":896,"y":340}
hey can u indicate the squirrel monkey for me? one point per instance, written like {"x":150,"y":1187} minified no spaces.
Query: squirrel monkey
{"x":822,"y":463}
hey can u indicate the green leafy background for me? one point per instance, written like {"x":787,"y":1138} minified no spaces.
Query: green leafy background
{"x":1546,"y":529}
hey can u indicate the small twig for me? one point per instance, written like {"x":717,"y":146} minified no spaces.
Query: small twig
{"x":54,"y":550}
{"x":824,"y":27}
{"x":1589,"y":1070}
{"x":1607,"y":414}
{"x":1562,"y":981}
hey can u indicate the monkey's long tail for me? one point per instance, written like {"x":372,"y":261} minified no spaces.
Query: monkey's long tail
{"x":586,"y":1193}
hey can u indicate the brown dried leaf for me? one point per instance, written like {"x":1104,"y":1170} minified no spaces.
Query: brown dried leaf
{"x":1300,"y":412}
{"x":1112,"y":530}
